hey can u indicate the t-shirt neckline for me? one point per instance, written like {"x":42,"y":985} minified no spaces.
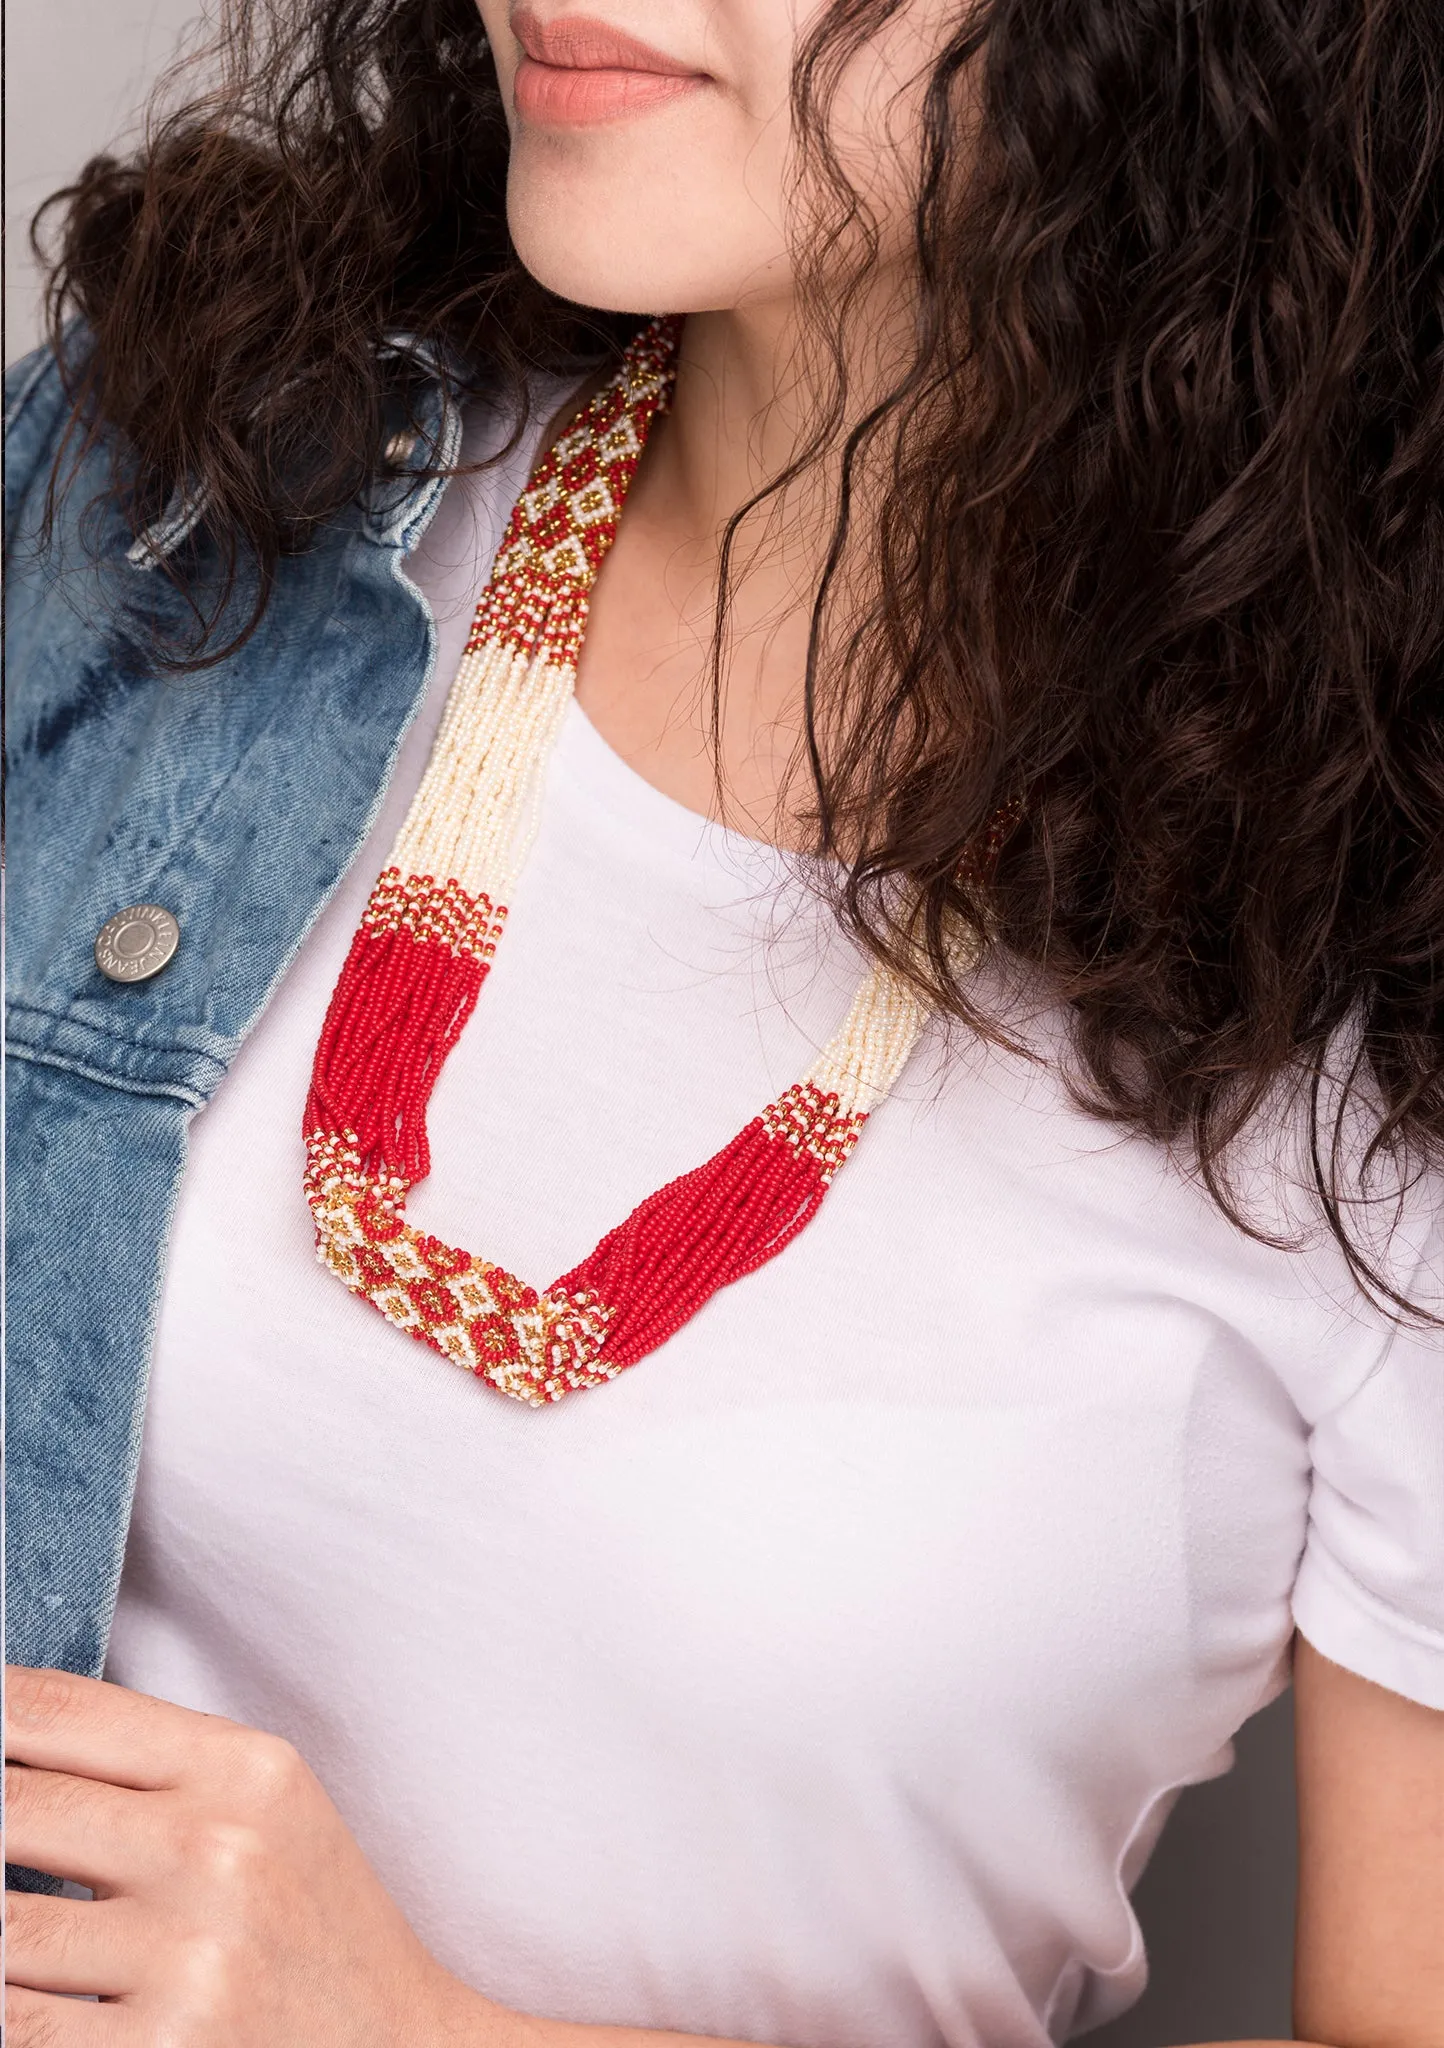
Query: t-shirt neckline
{"x":673,"y":831}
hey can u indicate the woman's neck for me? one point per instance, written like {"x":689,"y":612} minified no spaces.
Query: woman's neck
{"x":644,"y":677}
{"x":733,"y":421}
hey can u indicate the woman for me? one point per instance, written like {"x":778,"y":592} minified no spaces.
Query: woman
{"x":971,"y":641}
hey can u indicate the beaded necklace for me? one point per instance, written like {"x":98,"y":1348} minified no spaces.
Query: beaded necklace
{"x":425,"y":945}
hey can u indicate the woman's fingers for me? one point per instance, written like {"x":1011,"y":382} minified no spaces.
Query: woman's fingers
{"x":34,"y":2019}
{"x":74,"y":1946}
{"x":59,"y":1722}
{"x":256,"y":1918}
{"x":96,"y":1834}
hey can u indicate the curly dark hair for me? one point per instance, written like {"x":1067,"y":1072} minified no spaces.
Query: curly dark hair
{"x":1160,"y":551}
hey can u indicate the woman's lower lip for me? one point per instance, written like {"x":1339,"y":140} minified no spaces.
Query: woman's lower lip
{"x":565,"y":96}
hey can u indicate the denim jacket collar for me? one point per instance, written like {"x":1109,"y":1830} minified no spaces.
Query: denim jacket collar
{"x":400,"y":505}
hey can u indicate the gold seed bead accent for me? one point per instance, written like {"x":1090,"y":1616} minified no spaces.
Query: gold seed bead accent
{"x":441,"y":913}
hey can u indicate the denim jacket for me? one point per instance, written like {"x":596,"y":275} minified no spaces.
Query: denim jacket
{"x":235,"y":798}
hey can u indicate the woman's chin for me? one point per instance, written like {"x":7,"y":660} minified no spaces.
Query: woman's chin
{"x":619,"y":257}
{"x":600,"y":287}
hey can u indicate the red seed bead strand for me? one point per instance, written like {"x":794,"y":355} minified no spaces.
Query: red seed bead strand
{"x":399,"y":1008}
{"x":700,"y":1232}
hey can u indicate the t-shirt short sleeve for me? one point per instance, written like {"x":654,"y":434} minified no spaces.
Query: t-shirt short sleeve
{"x":1370,"y":1588}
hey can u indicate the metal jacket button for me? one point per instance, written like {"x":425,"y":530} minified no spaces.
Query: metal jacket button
{"x":136,"y":943}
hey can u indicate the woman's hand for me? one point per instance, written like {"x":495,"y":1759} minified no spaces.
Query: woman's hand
{"x":233,"y":1909}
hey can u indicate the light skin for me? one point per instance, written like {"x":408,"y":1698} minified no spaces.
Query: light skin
{"x":233,"y":1908}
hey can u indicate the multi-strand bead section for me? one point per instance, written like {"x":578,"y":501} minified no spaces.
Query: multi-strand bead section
{"x":425,"y":945}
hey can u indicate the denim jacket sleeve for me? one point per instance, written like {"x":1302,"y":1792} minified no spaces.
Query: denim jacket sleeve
{"x":235,"y":797}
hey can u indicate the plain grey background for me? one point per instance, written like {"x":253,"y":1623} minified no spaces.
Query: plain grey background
{"x":1217,"y":1901}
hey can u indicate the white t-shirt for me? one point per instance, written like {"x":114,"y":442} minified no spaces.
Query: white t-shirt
{"x":826,"y":1678}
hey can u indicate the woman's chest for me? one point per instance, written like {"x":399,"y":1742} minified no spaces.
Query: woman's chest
{"x":973,"y":1451}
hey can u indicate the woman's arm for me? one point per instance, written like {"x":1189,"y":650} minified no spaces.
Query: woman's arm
{"x":233,"y":1908}
{"x":1369,"y":1969}
{"x":1369,"y":1958}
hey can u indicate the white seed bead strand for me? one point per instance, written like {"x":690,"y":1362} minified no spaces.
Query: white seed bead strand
{"x":474,"y":816}
{"x":860,"y":1064}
